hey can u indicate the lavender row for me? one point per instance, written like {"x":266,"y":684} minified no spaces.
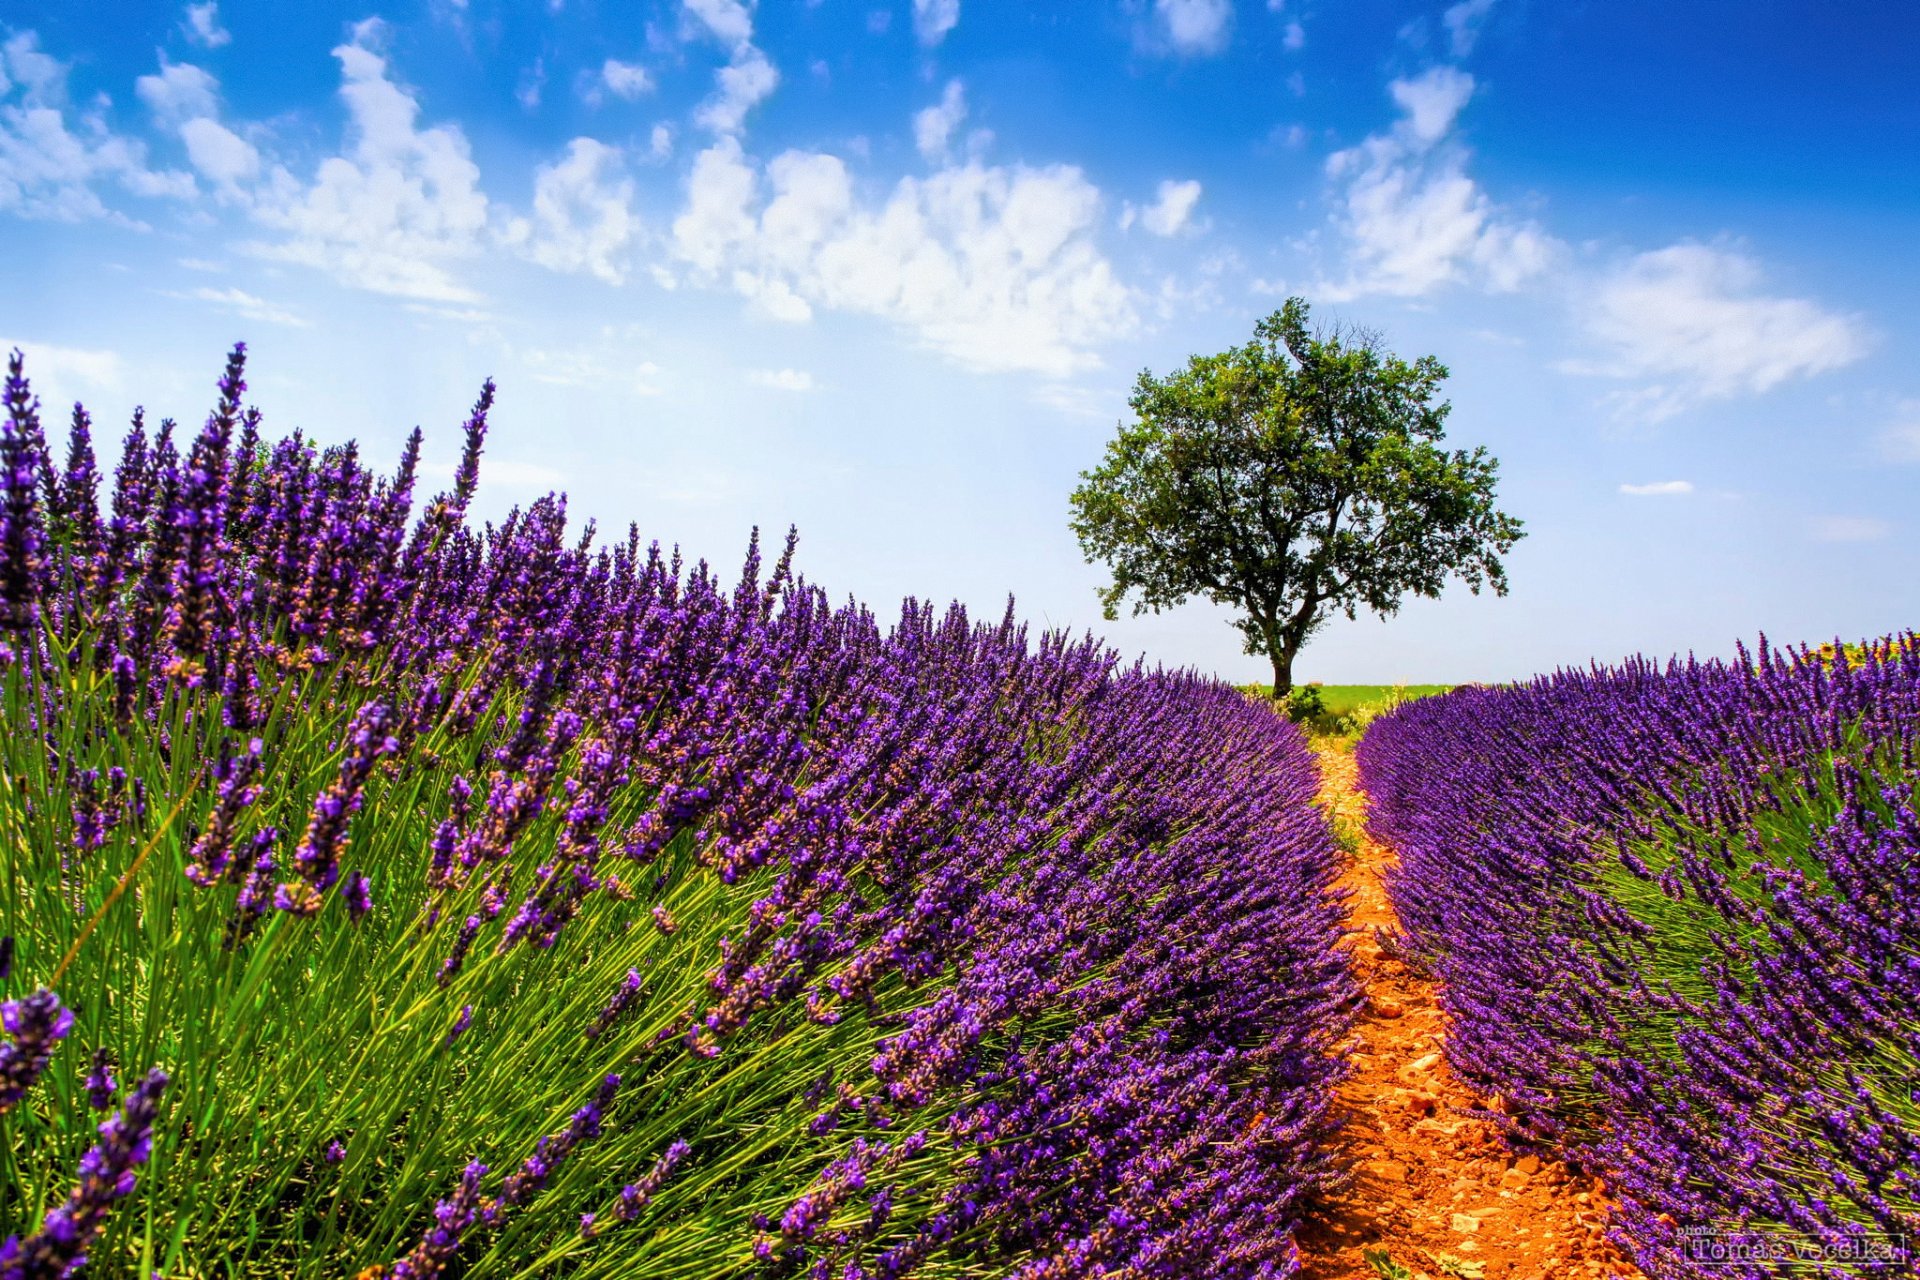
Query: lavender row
{"x":1676,"y":914}
{"x":499,"y":902}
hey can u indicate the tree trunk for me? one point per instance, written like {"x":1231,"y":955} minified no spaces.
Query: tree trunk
{"x":1282,"y":672}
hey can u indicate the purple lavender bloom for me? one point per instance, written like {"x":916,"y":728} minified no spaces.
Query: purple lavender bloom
{"x":452,"y":1219}
{"x":211,"y":856}
{"x":106,"y":1176}
{"x":357,"y":893}
{"x":256,"y":891}
{"x":317,"y":860}
{"x":460,"y":1024}
{"x":636,"y":1196}
{"x":22,"y":519}
{"x":617,"y":1007}
{"x":335,"y":1152}
{"x":35,"y":1026}
{"x":100,"y":1082}
{"x":552,"y":1151}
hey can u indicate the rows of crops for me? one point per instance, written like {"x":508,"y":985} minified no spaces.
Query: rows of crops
{"x":388,"y":894}
{"x":1676,"y":912}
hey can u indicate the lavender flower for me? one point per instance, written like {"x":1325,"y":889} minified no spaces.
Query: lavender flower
{"x":317,"y":860}
{"x":35,"y":1026}
{"x":211,"y":856}
{"x":106,"y":1176}
{"x":452,"y":1219}
{"x":100,"y":1082}
{"x":617,"y":1007}
{"x":636,"y":1196}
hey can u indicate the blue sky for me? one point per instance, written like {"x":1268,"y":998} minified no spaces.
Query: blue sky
{"x":887,"y":270}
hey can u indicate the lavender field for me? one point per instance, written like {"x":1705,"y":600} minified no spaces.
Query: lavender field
{"x":1675,"y":913}
{"x":392,"y":896}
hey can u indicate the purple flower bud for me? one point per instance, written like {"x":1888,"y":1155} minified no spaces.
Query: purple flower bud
{"x":100,"y":1082}
{"x":106,"y":1175}
{"x":35,"y":1025}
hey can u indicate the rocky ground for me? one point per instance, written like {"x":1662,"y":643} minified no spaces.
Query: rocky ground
{"x":1435,"y":1193}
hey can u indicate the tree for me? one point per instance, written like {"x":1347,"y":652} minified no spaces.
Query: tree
{"x":1289,"y":478}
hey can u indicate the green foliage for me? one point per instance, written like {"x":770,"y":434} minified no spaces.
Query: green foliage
{"x":1293,"y":478}
{"x":1305,"y":705}
{"x":1384,"y":1266}
{"x":1347,"y":709}
{"x":313,"y":1033}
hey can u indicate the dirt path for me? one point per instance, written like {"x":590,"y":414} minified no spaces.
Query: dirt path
{"x":1436,"y":1190}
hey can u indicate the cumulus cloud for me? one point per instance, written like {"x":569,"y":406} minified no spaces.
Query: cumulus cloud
{"x":186,"y":99}
{"x":728,"y":21}
{"x":1693,"y":322}
{"x":1462,"y":22}
{"x":782,"y":379}
{"x":932,"y":19}
{"x":1194,"y":26}
{"x":1658,"y":489}
{"x":583,"y":218}
{"x":1413,"y":219}
{"x":994,"y":267}
{"x":934,"y":126}
{"x":1848,"y":529}
{"x":626,"y":80}
{"x":53,"y":158}
{"x":741,"y":85}
{"x":399,"y":208}
{"x":1170,"y":213}
{"x":202,"y":25}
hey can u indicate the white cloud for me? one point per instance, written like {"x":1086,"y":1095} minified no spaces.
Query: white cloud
{"x":1848,"y":529}
{"x":1658,"y":489}
{"x":1414,"y":221}
{"x":60,"y":373}
{"x":742,"y":84}
{"x":202,"y":25}
{"x":625,"y":79}
{"x":1462,"y":22}
{"x":782,"y":379}
{"x":180,"y":92}
{"x":1195,"y":26}
{"x":583,"y":218}
{"x":185,"y":99}
{"x":50,"y":163}
{"x":934,"y":126}
{"x":246,"y":305}
{"x":1171,"y":213}
{"x":660,"y":142}
{"x":994,"y":267}
{"x":1900,"y":442}
{"x":1293,"y":37}
{"x":932,"y":19}
{"x":220,"y":153}
{"x":1692,"y":320}
{"x":728,"y":21}
{"x":399,"y":208}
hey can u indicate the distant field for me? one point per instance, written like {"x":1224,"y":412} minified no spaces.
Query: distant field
{"x":1343,"y":699}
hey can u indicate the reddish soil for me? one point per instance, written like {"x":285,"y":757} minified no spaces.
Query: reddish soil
{"x":1436,"y":1189}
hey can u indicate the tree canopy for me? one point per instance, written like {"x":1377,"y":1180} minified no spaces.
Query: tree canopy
{"x":1290,"y":478}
